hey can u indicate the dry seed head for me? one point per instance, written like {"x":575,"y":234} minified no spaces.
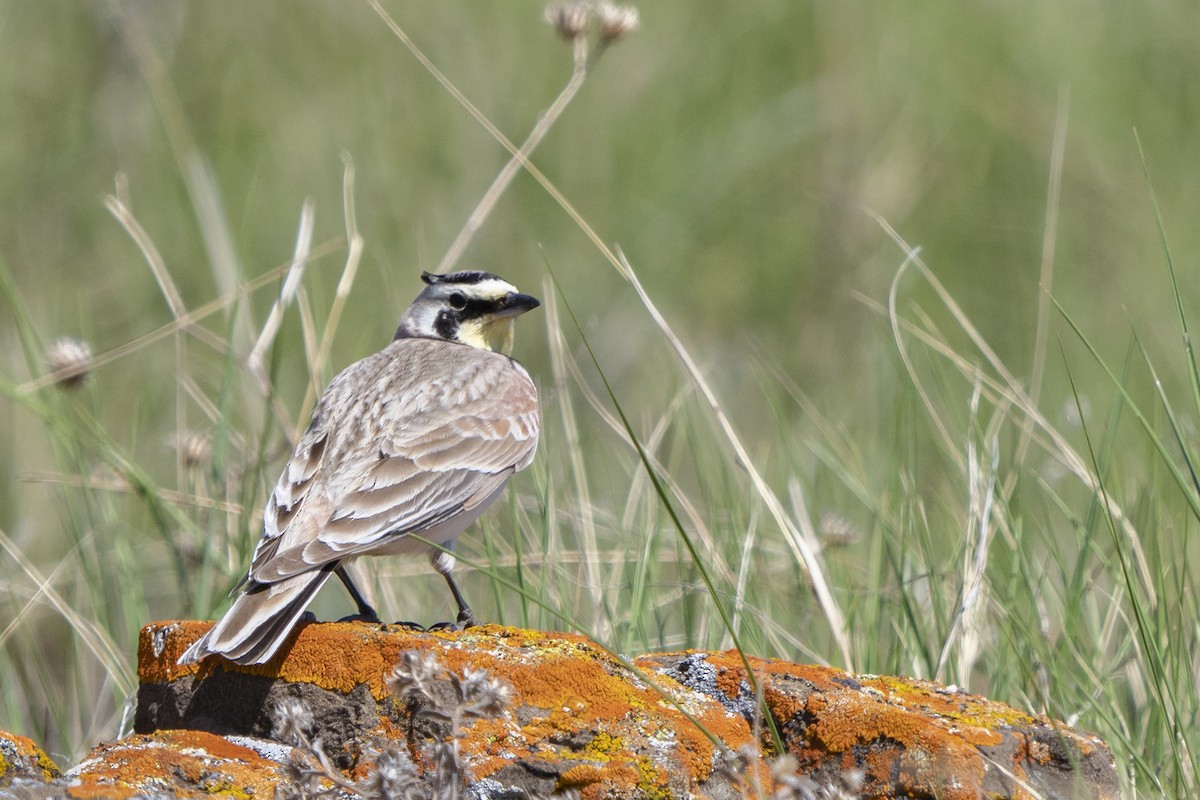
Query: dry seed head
{"x":413,"y":676}
{"x":71,"y":360}
{"x":485,"y":696}
{"x":838,"y":530}
{"x":791,"y":785}
{"x":393,"y":776}
{"x":299,"y":781}
{"x":785,"y":765}
{"x":196,"y":448}
{"x":569,"y":19}
{"x":615,"y":20}
{"x":292,"y":721}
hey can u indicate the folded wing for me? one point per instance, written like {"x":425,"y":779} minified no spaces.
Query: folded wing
{"x":445,"y":432}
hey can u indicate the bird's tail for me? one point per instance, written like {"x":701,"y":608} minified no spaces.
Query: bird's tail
{"x":260,"y":620}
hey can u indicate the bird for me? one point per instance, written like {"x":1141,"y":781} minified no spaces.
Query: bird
{"x":416,"y":440}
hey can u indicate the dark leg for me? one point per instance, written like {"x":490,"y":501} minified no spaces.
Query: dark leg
{"x":444,"y":563}
{"x":466,"y":617}
{"x":365,"y":612}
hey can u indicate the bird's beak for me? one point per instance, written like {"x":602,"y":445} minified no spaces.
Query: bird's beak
{"x":516,"y":303}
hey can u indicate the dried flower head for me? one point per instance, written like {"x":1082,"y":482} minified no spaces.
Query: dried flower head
{"x":789,"y":785}
{"x":70,"y":360}
{"x":420,"y":677}
{"x":195,"y":448}
{"x":615,"y":20}
{"x":300,"y":780}
{"x":413,"y":677}
{"x":484,"y":696}
{"x":837,"y":529}
{"x":292,"y":721}
{"x":569,"y":19}
{"x":393,"y":776}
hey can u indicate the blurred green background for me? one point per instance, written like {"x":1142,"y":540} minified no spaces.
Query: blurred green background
{"x":730,"y":149}
{"x":734,"y":151}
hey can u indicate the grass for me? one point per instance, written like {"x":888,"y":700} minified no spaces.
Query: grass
{"x":769,"y":418}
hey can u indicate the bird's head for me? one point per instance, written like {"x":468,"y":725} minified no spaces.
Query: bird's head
{"x":472,"y":308}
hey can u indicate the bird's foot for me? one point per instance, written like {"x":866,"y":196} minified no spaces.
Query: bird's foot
{"x":360,"y":617}
{"x":465,"y":620}
{"x":408,"y":626}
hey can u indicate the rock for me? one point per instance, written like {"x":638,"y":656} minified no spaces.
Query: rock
{"x":580,"y":718}
{"x":179,"y":764}
{"x":666,"y":725}
{"x":911,"y":738}
{"x":24,"y":764}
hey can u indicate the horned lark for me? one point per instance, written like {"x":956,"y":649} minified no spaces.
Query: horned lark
{"x":417,"y":439}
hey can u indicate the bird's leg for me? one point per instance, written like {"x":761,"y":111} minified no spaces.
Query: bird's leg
{"x":365,"y":612}
{"x":444,"y":562}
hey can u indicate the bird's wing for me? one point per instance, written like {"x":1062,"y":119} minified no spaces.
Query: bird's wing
{"x":437,"y":431}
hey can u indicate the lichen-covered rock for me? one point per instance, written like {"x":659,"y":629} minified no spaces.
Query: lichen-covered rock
{"x":580,"y":718}
{"x":179,"y":764}
{"x":911,"y":738}
{"x":22,"y":761}
{"x":667,"y":725}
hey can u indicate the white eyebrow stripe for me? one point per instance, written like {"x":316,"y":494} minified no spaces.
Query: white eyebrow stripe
{"x":489,"y":289}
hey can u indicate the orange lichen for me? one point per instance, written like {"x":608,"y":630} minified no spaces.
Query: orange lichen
{"x":959,"y":707}
{"x":160,"y":645}
{"x":339,"y":656}
{"x":584,"y":775}
{"x":914,"y":735}
{"x":190,"y":763}
{"x":624,"y":778}
{"x":856,"y":709}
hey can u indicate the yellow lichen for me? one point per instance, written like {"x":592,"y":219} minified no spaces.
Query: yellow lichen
{"x":651,"y":780}
{"x":603,"y":744}
{"x":27,"y":749}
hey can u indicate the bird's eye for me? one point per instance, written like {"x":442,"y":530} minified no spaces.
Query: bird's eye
{"x":458,"y":301}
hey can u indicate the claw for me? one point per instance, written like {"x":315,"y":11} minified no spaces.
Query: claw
{"x":409,"y":626}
